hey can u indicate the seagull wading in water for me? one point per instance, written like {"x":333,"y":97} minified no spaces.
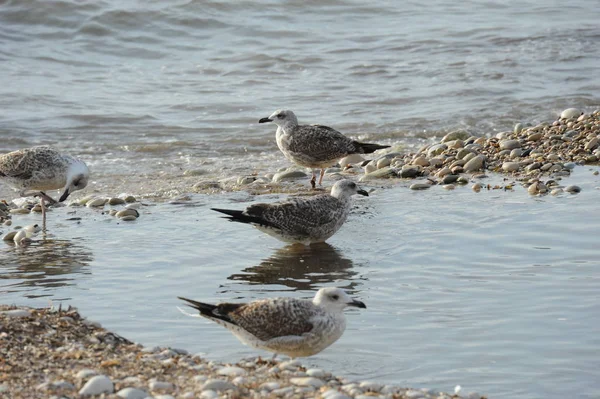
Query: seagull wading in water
{"x":293,"y":327}
{"x":301,"y":220}
{"x":32,"y":171}
{"x":314,"y":146}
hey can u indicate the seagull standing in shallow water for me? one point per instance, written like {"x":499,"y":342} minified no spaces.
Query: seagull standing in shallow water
{"x":32,"y":171}
{"x":314,"y":146}
{"x":301,"y":220}
{"x":293,"y":327}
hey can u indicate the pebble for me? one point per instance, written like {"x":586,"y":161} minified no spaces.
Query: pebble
{"x":476,"y":187}
{"x":307,"y":381}
{"x":161,"y":386}
{"x":17,"y":313}
{"x":570,"y":113}
{"x":419,"y":186}
{"x":116,"y":201}
{"x":317,"y":373}
{"x":209,"y":394}
{"x":410,"y":171}
{"x":334,"y":394}
{"x":97,"y":385}
{"x":413,"y":394}
{"x":474,"y":164}
{"x":436,"y":149}
{"x":371,"y":386}
{"x":379,"y":174}
{"x":288,"y":175}
{"x":448,"y":186}
{"x":450,"y":179}
{"x":218,"y":385}
{"x":351,"y":159}
{"x":370,"y":168}
{"x":455,"y":135}
{"x":516,"y":153}
{"x":95,"y":202}
{"x":270,"y":386}
{"x":127,"y":212}
{"x":509,"y":144}
{"x":232,"y":371}
{"x":163,"y":397}
{"x":383,"y":162}
{"x":283,"y":391}
{"x":9,"y":236}
{"x":573,"y":189}
{"x":421,"y":161}
{"x":132,"y":393}
{"x":510,"y":166}
{"x":245,"y":180}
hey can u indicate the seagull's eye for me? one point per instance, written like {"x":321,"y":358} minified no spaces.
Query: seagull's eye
{"x":335,"y":297}
{"x":281,"y":115}
{"x":352,"y":185}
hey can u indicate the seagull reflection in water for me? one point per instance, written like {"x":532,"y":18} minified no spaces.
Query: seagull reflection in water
{"x":301,"y":268}
{"x":42,"y":266}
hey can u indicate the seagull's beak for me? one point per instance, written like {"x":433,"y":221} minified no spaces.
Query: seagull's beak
{"x":64,"y":195}
{"x":265,"y":120}
{"x":362,"y":192}
{"x":357,"y":304}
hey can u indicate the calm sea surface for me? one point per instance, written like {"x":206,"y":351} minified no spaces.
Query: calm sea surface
{"x":496,"y":291}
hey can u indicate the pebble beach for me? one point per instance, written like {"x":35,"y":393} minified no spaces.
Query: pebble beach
{"x":58,"y":353}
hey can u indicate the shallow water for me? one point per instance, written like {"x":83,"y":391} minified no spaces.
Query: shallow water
{"x":496,"y":291}
{"x":180,"y":84}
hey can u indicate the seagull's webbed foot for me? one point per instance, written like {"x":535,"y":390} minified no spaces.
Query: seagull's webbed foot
{"x":49,"y":199}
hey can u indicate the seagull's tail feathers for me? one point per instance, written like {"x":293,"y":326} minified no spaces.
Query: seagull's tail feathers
{"x":220,"y":311}
{"x":243,"y":217}
{"x":367,"y":148}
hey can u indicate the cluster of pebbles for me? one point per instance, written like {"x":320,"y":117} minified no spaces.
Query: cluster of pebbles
{"x":537,"y":157}
{"x":128,"y":213}
{"x":54,"y":353}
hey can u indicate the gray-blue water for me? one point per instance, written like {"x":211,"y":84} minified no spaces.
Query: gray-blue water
{"x":495,"y":291}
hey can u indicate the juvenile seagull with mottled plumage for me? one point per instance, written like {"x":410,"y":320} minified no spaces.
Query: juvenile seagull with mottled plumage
{"x":314,"y":146}
{"x":293,"y":327}
{"x":32,"y":171}
{"x":301,"y":220}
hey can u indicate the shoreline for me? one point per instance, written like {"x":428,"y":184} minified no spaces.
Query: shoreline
{"x":50,"y":352}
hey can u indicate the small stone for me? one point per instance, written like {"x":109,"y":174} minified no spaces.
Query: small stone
{"x":449,"y":186}
{"x":518,"y":127}
{"x":161,"y":386}
{"x":245,"y":180}
{"x":85,"y":373}
{"x":288,"y":175}
{"x":334,"y":394}
{"x":97,"y":385}
{"x":436,"y":149}
{"x":510,"y":166}
{"x":570,"y":113}
{"x":449,"y":179}
{"x":421,"y":161}
{"x":462,"y":153}
{"x":9,"y":236}
{"x":269,"y":386}
{"x":455,"y":135}
{"x":116,"y":201}
{"x":573,"y":189}
{"x":95,"y":202}
{"x":307,"y":381}
{"x":132,"y":393}
{"x":218,"y":385}
{"x":128,"y":218}
{"x":383,"y":162}
{"x":317,"y":373}
{"x":283,"y":391}
{"x":474,"y":164}
{"x":516,"y":153}
{"x":370,"y":167}
{"x":17,"y":313}
{"x":410,"y":171}
{"x":163,"y":397}
{"x":476,"y":187}
{"x":129,"y":199}
{"x":509,"y":144}
{"x":592,"y":144}
{"x":463,"y":180}
{"x":556,"y":191}
{"x":231,"y":371}
{"x":208,"y":394}
{"x":371,"y":386}
{"x":420,"y":186}
{"x":412,"y":394}
{"x":383,"y":173}
{"x":127,"y":212}
{"x":351,"y":159}
{"x":535,"y":136}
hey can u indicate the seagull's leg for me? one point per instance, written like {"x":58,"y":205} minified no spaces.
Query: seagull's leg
{"x":43,"y":205}
{"x":321,"y":178}
{"x":51,"y":201}
{"x":313,"y":181}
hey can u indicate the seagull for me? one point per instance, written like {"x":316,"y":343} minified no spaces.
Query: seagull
{"x":314,"y":146}
{"x":31,"y":171}
{"x":290,"y":326}
{"x":301,"y":220}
